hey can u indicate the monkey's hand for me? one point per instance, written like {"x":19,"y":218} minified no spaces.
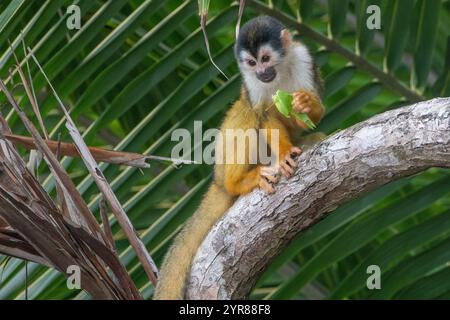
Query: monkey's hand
{"x":288,"y":163}
{"x":269,"y":177}
{"x":307,"y":102}
{"x":303,"y":101}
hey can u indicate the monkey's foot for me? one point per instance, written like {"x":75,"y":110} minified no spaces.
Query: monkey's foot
{"x":288,"y":164}
{"x":269,"y":177}
{"x":302,"y":101}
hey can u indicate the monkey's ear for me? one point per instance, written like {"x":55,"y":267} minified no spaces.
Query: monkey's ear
{"x":286,"y":38}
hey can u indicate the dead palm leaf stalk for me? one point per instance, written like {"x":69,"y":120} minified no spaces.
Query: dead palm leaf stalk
{"x":33,"y":227}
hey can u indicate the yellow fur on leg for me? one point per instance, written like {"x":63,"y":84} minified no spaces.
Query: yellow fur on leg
{"x":177,"y":263}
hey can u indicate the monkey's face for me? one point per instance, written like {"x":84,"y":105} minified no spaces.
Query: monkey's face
{"x":259,"y":50}
{"x":262,"y":52}
{"x":262,"y":65}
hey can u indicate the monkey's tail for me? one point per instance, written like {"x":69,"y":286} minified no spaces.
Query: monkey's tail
{"x":177,"y":263}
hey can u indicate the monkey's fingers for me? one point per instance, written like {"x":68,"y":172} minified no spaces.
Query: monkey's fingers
{"x":266,"y":186}
{"x":302,"y":102}
{"x":270,"y":173}
{"x":291,"y":162}
{"x":295,"y":151}
{"x":302,"y":107}
{"x":286,"y":169}
{"x":271,"y":179}
{"x":288,"y":164}
{"x":302,"y":95}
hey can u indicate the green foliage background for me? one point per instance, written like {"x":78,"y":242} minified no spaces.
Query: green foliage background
{"x":138,"y":69}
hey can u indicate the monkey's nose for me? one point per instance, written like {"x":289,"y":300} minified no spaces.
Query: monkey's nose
{"x":267,"y":75}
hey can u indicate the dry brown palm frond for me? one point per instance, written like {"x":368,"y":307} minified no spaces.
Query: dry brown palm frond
{"x":144,"y":257}
{"x":64,"y":233}
{"x":34,"y":228}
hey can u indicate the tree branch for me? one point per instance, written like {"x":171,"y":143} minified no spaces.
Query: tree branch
{"x":353,"y":161}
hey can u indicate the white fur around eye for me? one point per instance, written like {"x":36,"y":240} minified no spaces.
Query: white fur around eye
{"x":245,"y":56}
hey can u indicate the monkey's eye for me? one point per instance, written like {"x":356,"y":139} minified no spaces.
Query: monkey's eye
{"x":265,"y":58}
{"x":251,"y":63}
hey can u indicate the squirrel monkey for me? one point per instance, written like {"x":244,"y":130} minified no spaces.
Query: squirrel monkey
{"x":269,"y":60}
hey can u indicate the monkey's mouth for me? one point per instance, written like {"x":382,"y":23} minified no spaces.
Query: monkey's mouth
{"x":267,"y":76}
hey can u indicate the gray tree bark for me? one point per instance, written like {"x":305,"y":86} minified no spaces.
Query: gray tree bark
{"x":351,"y":162}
